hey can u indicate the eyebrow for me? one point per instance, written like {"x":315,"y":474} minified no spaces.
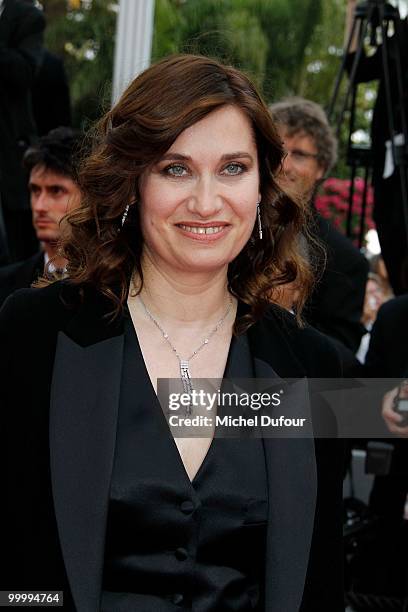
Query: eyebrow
{"x":225,"y":157}
{"x":303,"y":152}
{"x":34,"y":184}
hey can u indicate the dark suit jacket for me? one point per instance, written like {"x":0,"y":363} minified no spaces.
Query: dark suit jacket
{"x":386,"y":563}
{"x":336,"y":305}
{"x":61,"y":368}
{"x":387,"y":356}
{"x":20,"y":275}
{"x":21,"y":30}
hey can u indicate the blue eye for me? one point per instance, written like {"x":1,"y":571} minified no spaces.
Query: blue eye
{"x":176,"y":170}
{"x":233,"y":169}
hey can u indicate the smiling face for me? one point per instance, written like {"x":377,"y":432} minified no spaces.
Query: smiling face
{"x":52,"y":195}
{"x":198,"y":203}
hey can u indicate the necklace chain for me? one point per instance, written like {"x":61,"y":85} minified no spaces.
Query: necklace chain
{"x":203,"y":343}
{"x":184,"y":364}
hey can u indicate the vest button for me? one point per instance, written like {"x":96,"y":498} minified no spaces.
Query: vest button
{"x":181,"y":554}
{"x":187,"y":506}
{"x":177,"y":599}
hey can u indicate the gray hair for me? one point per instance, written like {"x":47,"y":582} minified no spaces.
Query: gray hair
{"x":298,"y":115}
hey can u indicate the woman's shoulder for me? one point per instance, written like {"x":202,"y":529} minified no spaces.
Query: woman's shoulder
{"x":37,"y":307}
{"x":289,"y":325}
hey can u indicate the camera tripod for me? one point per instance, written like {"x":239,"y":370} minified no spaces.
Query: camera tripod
{"x":369,"y":17}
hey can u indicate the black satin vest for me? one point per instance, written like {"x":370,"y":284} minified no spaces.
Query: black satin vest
{"x":172,"y":544}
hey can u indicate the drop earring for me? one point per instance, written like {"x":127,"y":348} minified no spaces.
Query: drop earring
{"x":258,"y":211}
{"x":125,"y":214}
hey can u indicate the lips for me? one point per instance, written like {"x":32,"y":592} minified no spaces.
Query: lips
{"x":196,"y":229}
{"x":43,"y":222}
{"x":204,"y":231}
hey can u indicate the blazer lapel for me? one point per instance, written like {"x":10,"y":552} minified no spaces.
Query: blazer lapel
{"x":83,"y":417}
{"x":292,"y":481}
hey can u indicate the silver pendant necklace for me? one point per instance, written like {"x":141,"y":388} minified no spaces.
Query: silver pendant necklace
{"x":184,"y":364}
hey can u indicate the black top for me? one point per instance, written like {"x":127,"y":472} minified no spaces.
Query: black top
{"x":60,"y":395}
{"x":173,"y":543}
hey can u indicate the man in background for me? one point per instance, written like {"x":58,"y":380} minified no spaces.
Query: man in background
{"x":336,"y":305}
{"x":21,"y":33}
{"x":53,"y":192}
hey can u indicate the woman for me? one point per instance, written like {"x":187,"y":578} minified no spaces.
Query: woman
{"x":182,"y":236}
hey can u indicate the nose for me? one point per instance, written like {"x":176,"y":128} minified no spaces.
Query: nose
{"x":287,"y":163}
{"x":39,"y":202}
{"x":205,"y":200}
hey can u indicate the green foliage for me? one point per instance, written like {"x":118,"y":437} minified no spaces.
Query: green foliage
{"x":288,"y":27}
{"x":85,"y":40}
{"x":265,"y":38}
{"x":216,"y":28}
{"x":167,"y":27}
{"x":322,"y":57}
{"x":287,"y":46}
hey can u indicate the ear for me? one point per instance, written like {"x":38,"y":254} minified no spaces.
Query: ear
{"x":259,"y":198}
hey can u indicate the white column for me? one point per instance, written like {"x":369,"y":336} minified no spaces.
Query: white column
{"x":133,"y":46}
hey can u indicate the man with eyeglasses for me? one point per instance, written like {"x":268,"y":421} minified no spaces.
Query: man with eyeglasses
{"x":336,"y":305}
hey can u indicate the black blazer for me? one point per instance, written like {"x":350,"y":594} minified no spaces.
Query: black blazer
{"x":61,"y":367}
{"x":387,"y":356}
{"x":336,"y":304}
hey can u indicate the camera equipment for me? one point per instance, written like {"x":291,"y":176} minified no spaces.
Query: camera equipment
{"x":371,"y":17}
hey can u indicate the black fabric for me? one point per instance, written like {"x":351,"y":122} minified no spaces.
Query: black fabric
{"x":209,"y":558}
{"x":381,"y":567}
{"x":31,"y":322}
{"x":21,"y":236}
{"x":20,"y":275}
{"x":51,"y":83}
{"x":336,"y":304}
{"x":4,"y":251}
{"x":387,"y":357}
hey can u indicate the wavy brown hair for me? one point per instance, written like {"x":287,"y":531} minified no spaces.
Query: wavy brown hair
{"x":154,"y":110}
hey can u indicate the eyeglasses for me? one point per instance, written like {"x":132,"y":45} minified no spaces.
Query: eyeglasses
{"x":301,"y":157}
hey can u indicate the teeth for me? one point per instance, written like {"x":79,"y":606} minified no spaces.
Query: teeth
{"x":202,"y":230}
